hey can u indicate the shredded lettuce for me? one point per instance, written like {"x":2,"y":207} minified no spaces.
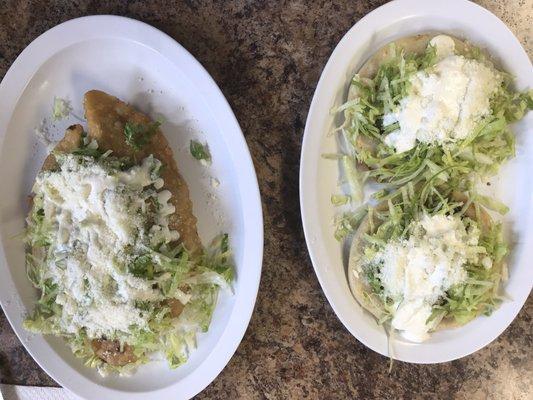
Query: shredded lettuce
{"x":339,"y":199}
{"x":346,"y":223}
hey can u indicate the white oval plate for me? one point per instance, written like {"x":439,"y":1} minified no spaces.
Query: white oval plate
{"x":141,"y":65}
{"x":514,"y":184}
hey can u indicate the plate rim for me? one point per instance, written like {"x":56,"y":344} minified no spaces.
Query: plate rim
{"x":12,"y":87}
{"x":399,"y":9}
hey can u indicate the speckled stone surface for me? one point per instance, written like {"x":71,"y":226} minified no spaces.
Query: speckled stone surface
{"x":267,"y":57}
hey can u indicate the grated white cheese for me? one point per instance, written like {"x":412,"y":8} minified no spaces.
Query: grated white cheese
{"x":99,"y":219}
{"x":418,"y":271}
{"x":444,"y":103}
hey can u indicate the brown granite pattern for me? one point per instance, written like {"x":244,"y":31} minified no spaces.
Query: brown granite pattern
{"x":267,"y":57}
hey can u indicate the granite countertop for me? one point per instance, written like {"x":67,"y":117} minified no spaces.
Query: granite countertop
{"x":267,"y":57}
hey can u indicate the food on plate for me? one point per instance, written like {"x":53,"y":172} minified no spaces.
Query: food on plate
{"x":112,"y":244}
{"x":425,"y":103}
{"x":426,"y":120}
{"x":422,"y":265}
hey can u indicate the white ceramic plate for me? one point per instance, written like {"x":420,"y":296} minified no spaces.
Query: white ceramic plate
{"x":514,"y":184}
{"x":139,"y":64}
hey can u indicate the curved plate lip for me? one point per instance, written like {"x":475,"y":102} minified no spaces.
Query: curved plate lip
{"x":108,"y":27}
{"x":382,"y":18}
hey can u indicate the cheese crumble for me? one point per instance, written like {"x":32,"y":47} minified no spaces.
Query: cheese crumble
{"x":415,"y":273}
{"x":444,"y":103}
{"x":99,"y":217}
